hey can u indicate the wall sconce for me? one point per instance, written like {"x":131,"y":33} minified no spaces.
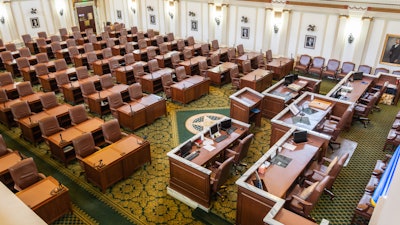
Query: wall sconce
{"x":244,"y":19}
{"x":350,"y":39}
{"x":171,"y":15}
{"x":33,"y":11}
{"x":61,"y":12}
{"x":192,"y":14}
{"x":276,"y":28}
{"x":2,"y":20}
{"x":150,"y":8}
{"x":217,"y":20}
{"x":311,"y":27}
{"x":133,"y":10}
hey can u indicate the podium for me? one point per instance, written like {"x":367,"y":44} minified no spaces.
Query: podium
{"x":246,"y":106}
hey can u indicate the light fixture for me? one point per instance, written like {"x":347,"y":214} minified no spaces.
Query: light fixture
{"x":2,"y":20}
{"x":150,"y":8}
{"x":276,"y":28}
{"x":350,"y":39}
{"x":171,"y":15}
{"x":61,"y":12}
{"x":245,"y":19}
{"x":133,"y":10}
{"x":217,"y":20}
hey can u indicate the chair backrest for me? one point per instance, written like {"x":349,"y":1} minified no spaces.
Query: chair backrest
{"x":106,"y":81}
{"x":1,"y":43}
{"x":6,"y":56}
{"x":60,"y":64}
{"x":163,"y":48}
{"x":41,"y":69}
{"x":336,"y":170}
{"x":24,"y":88}
{"x":222,"y":174}
{"x":175,"y":58}
{"x":49,"y":126}
{"x":142,"y":43}
{"x":153,"y":65}
{"x":92,"y":38}
{"x":115,"y":100}
{"x":381,"y":70}
{"x":159,"y":39}
{"x":134,"y":30}
{"x":180,"y":73}
{"x":77,"y":35}
{"x":3,"y":146}
{"x":70,"y":42}
{"x":240,"y":49}
{"x":91,"y":57}
{"x":113,"y":64}
{"x":88,"y":88}
{"x":205,"y":49}
{"x":110,"y":43}
{"x":151,"y":53}
{"x":315,"y":195}
{"x":397,"y":72}
{"x":231,"y":54}
{"x":88,"y":47}
{"x":73,"y":51}
{"x":129,"y":59}
{"x":26,"y":38}
{"x":107,"y":53}
{"x":24,"y":173}
{"x":242,"y":148}
{"x":333,"y":65}
{"x":214,"y":45}
{"x":365,"y":69}
{"x":55,"y":46}
{"x":268,"y":55}
{"x":41,"y":42}
{"x":305,"y":60}
{"x":48,"y":100}
{"x":6,"y":78}
{"x":129,"y":48}
{"x":82,"y":72}
{"x":150,"y":33}
{"x":55,"y":38}
{"x":180,"y":44}
{"x":84,"y":145}
{"x":170,"y":37}
{"x":105,"y":36}
{"x":123,"y":40}
{"x":42,"y":34}
{"x":25,"y":52}
{"x":89,"y":31}
{"x":78,"y":114}
{"x":63,"y":31}
{"x":140,"y":35}
{"x":318,"y":62}
{"x":347,"y":67}
{"x":234,"y":72}
{"x":190,"y":41}
{"x":166,"y":80}
{"x":138,"y":70}
{"x":20,"y":110}
{"x":135,"y":91}
{"x":246,"y":66}
{"x":11,"y":47}
{"x":214,"y":60}
{"x":61,"y":78}
{"x":111,"y":131}
{"x":22,"y":62}
{"x":187,"y":54}
{"x":203,"y":65}
{"x":42,"y":57}
{"x":3,"y":95}
{"x":75,"y":29}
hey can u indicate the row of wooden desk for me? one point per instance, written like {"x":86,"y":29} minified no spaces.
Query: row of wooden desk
{"x":190,"y":89}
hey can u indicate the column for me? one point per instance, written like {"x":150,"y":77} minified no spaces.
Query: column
{"x":362,"y":38}
{"x":340,"y":42}
{"x":10,"y":23}
{"x":268,"y":31}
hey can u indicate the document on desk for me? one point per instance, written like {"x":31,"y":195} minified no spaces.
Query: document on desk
{"x":208,"y":147}
{"x":289,"y":146}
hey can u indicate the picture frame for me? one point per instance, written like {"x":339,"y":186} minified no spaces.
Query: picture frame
{"x":309,"y":41}
{"x":119,"y":14}
{"x":391,"y":50}
{"x":153,"y":19}
{"x":245,"y":32}
{"x":35,"y":22}
{"x":194,"y":24}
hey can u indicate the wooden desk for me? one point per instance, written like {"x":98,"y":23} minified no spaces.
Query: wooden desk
{"x":60,"y":144}
{"x":7,"y":161}
{"x":258,"y":80}
{"x":223,"y":54}
{"x":80,"y":60}
{"x":33,"y":101}
{"x":220,"y":75}
{"x":192,"y":65}
{"x":189,"y":180}
{"x":165,"y":60}
{"x":11,"y":90}
{"x":194,"y":48}
{"x":29,"y":74}
{"x":98,"y":102}
{"x":155,"y":107}
{"x":72,"y":92}
{"x":280,"y":67}
{"x":44,"y":201}
{"x":132,"y":115}
{"x":246,"y":105}
{"x":124,"y":74}
{"x":92,"y":125}
{"x":14,"y":211}
{"x":252,"y":56}
{"x":394,"y":85}
{"x":357,"y":87}
{"x":279,"y":95}
{"x":6,"y":116}
{"x":190,"y":89}
{"x":141,"y":54}
{"x":101,"y":67}
{"x":30,"y":127}
{"x":151,"y":83}
{"x":287,"y":217}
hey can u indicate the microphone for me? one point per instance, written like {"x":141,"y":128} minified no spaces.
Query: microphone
{"x":255,"y":77}
{"x":98,"y":92}
{"x":184,"y":86}
{"x":190,"y":61}
{"x":151,"y":74}
{"x":30,"y":120}
{"x":20,"y":155}
{"x":130,"y":106}
{"x":70,"y":82}
{"x":247,"y":56}
{"x":61,"y":139}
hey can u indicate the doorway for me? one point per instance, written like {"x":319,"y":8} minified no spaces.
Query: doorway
{"x":86,"y":18}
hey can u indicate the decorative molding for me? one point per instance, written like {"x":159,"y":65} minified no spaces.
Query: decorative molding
{"x":244,"y":19}
{"x":192,"y":14}
{"x":34,"y":11}
{"x":311,"y":27}
{"x":150,"y":8}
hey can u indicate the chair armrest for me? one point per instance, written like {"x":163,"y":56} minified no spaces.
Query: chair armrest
{"x":124,"y":134}
{"x":42,"y":175}
{"x":231,"y":151}
{"x":324,"y":159}
{"x":319,"y":173}
{"x":333,"y":117}
{"x":302,"y":201}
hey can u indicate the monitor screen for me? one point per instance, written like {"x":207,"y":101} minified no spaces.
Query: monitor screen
{"x":289,"y":79}
{"x":185,"y":149}
{"x":357,"y":75}
{"x":300,"y":136}
{"x":226,"y":124}
{"x":214,"y":129}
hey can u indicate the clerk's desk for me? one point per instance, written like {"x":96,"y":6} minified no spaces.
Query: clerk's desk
{"x":190,"y":181}
{"x":279,"y":95}
{"x":256,"y":206}
{"x":394,"y":84}
{"x":14,"y":211}
{"x":314,"y":113}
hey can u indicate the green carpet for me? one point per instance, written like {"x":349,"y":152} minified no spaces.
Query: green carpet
{"x":142,"y":198}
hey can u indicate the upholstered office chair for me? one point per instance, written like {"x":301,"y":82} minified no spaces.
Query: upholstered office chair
{"x":159,"y":40}
{"x":214,"y":45}
{"x":20,"y":110}
{"x":26,"y":38}
{"x":232,"y":55}
{"x":110,"y":43}
{"x":180,"y":45}
{"x":203,"y":68}
{"x":26,"y":70}
{"x":175,"y":60}
{"x":49,"y":100}
{"x":42,"y":34}
{"x":112,"y":131}
{"x":163,"y":48}
{"x":138,"y":72}
{"x":62,"y":79}
{"x":78,"y":37}
{"x":381,"y":70}
{"x":24,"y":88}
{"x":49,"y":126}
{"x":370,"y":94}
{"x":55,"y":38}
{"x":55,"y":47}
{"x":381,"y":165}
{"x":397,"y":72}
{"x":187,"y":54}
{"x":261,"y":61}
{"x":316,"y":66}
{"x":246,"y":67}
{"x":82,"y":72}
{"x":3,"y":147}
{"x":392,"y":140}
{"x":365,"y":69}
{"x":153,"y":65}
{"x":91,"y":58}
{"x":303,"y":64}
{"x":135,"y":91}
{"x":151,"y":53}
{"x":78,"y":114}
{"x":240,"y":49}
{"x":235,"y":77}
{"x":42,"y":58}
{"x":214,"y":60}
{"x":73,"y":51}
{"x":60,"y":64}
{"x":167,"y":81}
{"x":239,"y":151}
{"x":190,"y":41}
{"x":87,"y":89}
{"x":364,"y":107}
{"x":6,"y":78}
{"x":12,"y":47}
{"x":24,"y":174}
{"x":107,"y":53}
{"x":142,"y":44}
{"x":63,"y":33}
{"x":3,"y":97}
{"x":89,"y":31}
{"x":84,"y":146}
{"x":170,"y":37}
{"x":113,"y":64}
{"x":115,"y":101}
{"x":331,"y":69}
{"x":88,"y":47}
{"x":205,"y":50}
{"x":180,"y":73}
{"x":70,"y":42}
{"x":303,"y":200}
{"x":268,"y":55}
{"x":129,"y":59}
{"x":150,"y":33}
{"x":123,"y":39}
{"x":364,"y":210}
{"x":220,"y":175}
{"x":24,"y":52}
{"x":41,"y":69}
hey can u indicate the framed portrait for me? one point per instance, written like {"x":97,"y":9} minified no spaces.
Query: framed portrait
{"x":245,"y":32}
{"x":119,"y":14}
{"x":152,"y":19}
{"x":35,"y":22}
{"x":309,"y":41}
{"x":194,"y":25}
{"x":391,"y":50}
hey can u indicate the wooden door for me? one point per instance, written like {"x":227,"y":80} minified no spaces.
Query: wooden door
{"x":86,"y":18}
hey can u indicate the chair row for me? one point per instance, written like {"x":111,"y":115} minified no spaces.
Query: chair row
{"x":393,"y":137}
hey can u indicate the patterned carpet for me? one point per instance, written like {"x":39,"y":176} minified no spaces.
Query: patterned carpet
{"x":142,"y":198}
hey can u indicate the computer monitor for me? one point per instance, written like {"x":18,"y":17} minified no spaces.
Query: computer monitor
{"x":214,"y":130}
{"x":289,"y":79}
{"x":226,"y":124}
{"x":300,"y":136}
{"x":185,"y":149}
{"x":357,"y":75}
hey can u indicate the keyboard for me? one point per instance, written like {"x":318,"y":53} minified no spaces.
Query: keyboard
{"x":192,"y":155}
{"x":220,"y":138}
{"x":230,"y":130}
